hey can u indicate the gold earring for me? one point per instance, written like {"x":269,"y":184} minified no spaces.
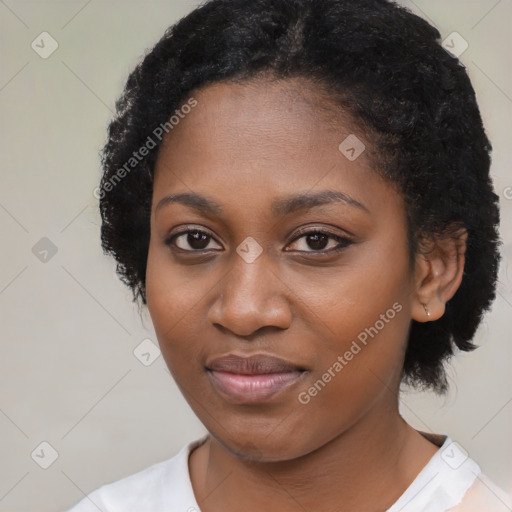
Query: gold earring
{"x":426,"y":310}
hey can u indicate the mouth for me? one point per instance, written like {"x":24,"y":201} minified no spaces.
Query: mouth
{"x":250,"y":380}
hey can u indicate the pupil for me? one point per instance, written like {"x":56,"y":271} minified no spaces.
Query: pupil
{"x":317,"y":241}
{"x":197,"y":240}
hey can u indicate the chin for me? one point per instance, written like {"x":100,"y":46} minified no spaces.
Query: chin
{"x":259,"y":446}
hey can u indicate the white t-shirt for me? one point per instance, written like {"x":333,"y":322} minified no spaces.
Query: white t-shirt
{"x":450,"y":481}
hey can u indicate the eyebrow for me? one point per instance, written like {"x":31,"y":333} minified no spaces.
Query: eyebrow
{"x":282,"y":207}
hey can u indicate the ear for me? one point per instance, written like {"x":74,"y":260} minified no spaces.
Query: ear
{"x":439,"y":268}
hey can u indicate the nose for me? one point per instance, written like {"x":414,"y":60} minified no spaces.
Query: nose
{"x":251,"y":296}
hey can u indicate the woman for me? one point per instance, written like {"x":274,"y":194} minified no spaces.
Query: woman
{"x":299,"y":192}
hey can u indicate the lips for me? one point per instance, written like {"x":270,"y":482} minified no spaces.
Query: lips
{"x":245,"y":380}
{"x":253,"y":365}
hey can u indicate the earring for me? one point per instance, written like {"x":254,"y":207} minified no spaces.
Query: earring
{"x":426,"y":310}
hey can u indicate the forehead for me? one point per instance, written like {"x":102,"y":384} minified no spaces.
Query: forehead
{"x":282,"y":108}
{"x":256,"y":141}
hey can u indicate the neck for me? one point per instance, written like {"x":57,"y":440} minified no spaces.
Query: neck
{"x":366,"y":467}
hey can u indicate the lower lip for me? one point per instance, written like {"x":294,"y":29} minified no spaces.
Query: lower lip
{"x":249,"y":389}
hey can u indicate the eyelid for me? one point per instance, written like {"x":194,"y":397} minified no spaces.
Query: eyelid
{"x":321,"y":229}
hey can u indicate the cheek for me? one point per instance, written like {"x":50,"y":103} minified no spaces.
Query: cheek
{"x":342,"y":302}
{"x":172,"y":303}
{"x":172,"y":290}
{"x":362,"y":314}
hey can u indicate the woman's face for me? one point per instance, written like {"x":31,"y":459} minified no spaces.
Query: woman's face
{"x":237,"y":276}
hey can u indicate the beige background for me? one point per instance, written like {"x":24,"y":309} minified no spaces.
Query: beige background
{"x":68,"y":373}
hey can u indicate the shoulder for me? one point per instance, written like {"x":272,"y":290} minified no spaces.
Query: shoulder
{"x":451,"y":481}
{"x":484,"y":494}
{"x":131,"y":491}
{"x":163,"y":486}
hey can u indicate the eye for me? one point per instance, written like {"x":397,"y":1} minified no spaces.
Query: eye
{"x":319,"y":241}
{"x":191,"y":240}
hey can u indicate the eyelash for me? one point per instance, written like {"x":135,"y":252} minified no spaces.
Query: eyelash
{"x":343,"y":242}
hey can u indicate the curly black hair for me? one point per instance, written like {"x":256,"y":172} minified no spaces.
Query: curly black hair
{"x":380,"y":63}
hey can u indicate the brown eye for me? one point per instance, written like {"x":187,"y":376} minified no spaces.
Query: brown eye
{"x":319,"y":241}
{"x":191,"y":240}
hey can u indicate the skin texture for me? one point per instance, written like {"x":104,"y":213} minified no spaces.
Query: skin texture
{"x":244,"y":146}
